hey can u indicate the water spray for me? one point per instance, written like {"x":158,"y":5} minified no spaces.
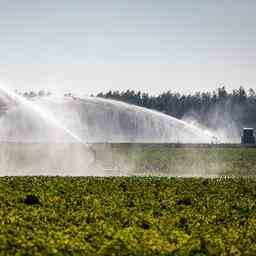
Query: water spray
{"x":86,"y":120}
{"x":47,"y":116}
{"x":42,"y":112}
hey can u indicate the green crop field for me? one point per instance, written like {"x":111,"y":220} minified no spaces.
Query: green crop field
{"x":173,"y":160}
{"x":127,"y":216}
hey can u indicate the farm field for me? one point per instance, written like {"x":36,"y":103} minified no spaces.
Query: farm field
{"x":127,"y":159}
{"x":179,"y":160}
{"x":127,"y":216}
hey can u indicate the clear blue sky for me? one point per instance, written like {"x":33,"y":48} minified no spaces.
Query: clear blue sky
{"x":92,"y":46}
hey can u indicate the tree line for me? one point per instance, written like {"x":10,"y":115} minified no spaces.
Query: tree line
{"x":219,"y":108}
{"x":211,"y":109}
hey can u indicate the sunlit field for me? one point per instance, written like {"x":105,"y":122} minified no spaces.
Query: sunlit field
{"x":127,"y":216}
{"x":142,"y":213}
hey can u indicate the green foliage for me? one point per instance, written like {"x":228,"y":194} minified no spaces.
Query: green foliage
{"x":127,"y":216}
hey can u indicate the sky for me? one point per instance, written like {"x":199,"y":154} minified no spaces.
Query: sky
{"x":87,"y":47}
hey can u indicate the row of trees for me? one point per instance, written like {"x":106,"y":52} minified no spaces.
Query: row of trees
{"x":209,"y":108}
{"x":219,"y":108}
{"x":32,"y":94}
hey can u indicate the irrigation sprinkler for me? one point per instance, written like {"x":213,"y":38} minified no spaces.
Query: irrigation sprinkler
{"x":248,"y":136}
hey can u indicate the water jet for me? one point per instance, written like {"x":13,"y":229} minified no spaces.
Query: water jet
{"x":55,"y":135}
